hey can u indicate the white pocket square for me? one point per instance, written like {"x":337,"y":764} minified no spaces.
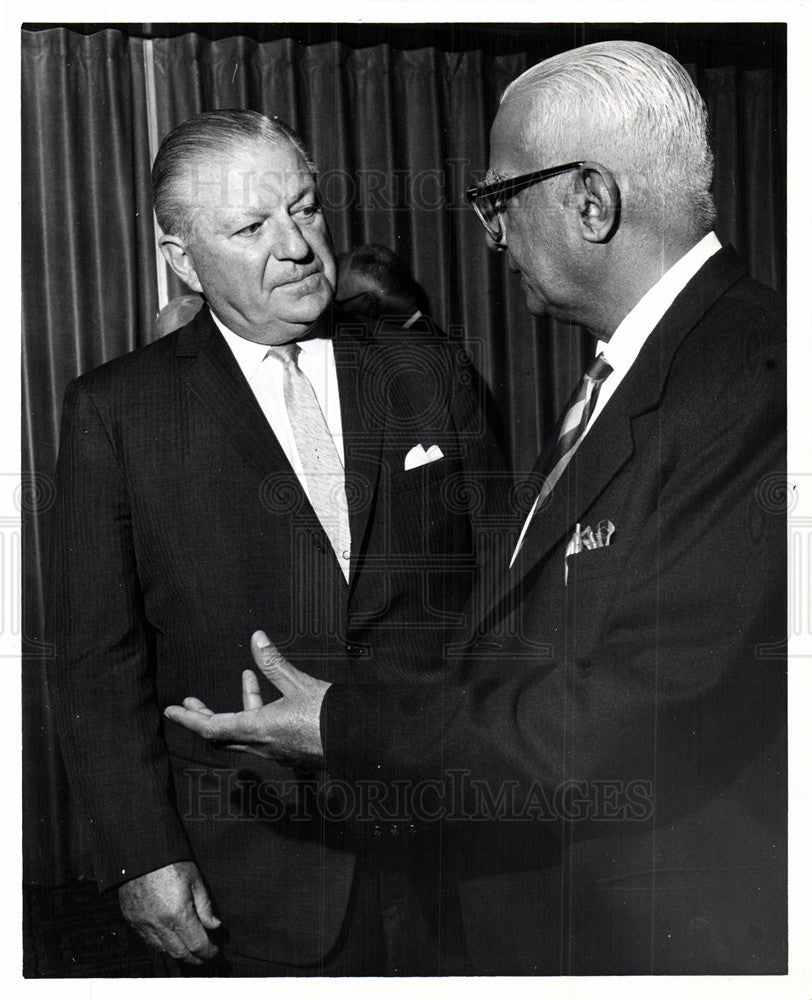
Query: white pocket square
{"x":420,"y":456}
{"x":586,"y":538}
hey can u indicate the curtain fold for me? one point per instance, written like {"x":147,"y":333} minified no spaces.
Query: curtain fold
{"x":398,"y":133}
{"x":88,"y":295}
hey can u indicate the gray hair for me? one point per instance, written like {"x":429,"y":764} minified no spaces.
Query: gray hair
{"x":633,"y":108}
{"x":199,"y":138}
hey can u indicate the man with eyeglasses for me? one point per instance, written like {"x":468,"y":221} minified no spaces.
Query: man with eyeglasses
{"x":613,"y":752}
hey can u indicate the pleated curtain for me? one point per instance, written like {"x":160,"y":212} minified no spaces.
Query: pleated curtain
{"x":398,"y":133}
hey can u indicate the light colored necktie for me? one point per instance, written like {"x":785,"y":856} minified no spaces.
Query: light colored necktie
{"x":573,"y":427}
{"x":321,"y":464}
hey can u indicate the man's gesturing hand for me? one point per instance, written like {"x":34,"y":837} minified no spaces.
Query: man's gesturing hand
{"x":283,"y":729}
{"x":171,"y":910}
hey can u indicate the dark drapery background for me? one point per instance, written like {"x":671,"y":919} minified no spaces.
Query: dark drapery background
{"x":397,"y":118}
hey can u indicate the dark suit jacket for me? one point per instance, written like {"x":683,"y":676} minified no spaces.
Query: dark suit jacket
{"x":628,"y":728}
{"x":180,"y":529}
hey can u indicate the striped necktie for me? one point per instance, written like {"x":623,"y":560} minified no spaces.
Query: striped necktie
{"x":321,"y":464}
{"x":573,"y":427}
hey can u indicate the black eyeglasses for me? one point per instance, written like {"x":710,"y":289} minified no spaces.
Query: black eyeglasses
{"x":488,"y":200}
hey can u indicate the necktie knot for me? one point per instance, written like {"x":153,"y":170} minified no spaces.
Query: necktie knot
{"x":286,"y":353}
{"x":599,"y":370}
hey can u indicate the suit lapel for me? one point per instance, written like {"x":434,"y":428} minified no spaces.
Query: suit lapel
{"x":362,"y":428}
{"x":610,"y":443}
{"x":215,"y":378}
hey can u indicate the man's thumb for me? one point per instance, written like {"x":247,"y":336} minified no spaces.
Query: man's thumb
{"x":203,"y":906}
{"x":273,"y":664}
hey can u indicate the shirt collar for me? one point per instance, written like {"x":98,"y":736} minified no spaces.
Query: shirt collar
{"x":627,"y":340}
{"x":250,"y":355}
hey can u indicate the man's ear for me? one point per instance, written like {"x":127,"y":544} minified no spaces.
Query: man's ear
{"x":180,"y":260}
{"x":597,"y":199}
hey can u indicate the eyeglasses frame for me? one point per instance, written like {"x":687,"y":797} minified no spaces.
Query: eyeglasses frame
{"x":511,"y":187}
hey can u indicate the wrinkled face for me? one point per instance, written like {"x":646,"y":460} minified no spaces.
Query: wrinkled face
{"x":535,"y":222}
{"x":259,"y":249}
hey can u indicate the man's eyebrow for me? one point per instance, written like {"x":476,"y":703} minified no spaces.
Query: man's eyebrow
{"x":309,"y":187}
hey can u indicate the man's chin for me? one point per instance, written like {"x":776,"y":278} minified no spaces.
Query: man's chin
{"x":535,"y":305}
{"x":539,"y":306}
{"x":307,"y":308}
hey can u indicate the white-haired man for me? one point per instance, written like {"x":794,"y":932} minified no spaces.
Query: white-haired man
{"x":619,"y":715}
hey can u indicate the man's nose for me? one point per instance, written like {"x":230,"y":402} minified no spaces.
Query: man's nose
{"x":288,"y":241}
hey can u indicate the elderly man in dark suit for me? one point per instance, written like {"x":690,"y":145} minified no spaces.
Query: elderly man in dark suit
{"x":270,"y":461}
{"x":619,"y":711}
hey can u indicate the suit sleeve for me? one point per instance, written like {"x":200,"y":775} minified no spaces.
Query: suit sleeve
{"x":102,"y":677}
{"x":679,"y":675}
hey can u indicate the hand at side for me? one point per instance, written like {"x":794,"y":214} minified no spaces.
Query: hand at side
{"x":171,"y":910}
{"x":284,"y":729}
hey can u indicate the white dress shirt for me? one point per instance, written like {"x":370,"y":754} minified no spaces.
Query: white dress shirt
{"x":317,"y":361}
{"x":626,"y":342}
{"x":265,"y":376}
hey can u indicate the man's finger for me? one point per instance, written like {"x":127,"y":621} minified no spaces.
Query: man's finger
{"x":283,"y":675}
{"x":150,"y":937}
{"x":186,"y":931}
{"x":251,"y":698}
{"x":211,"y":727}
{"x":196,"y":705}
{"x":195,"y":721}
{"x":203,"y":906}
{"x":192,"y":934}
{"x":176,"y":948}
{"x":197,"y":943}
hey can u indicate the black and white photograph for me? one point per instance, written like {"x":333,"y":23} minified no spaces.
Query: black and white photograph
{"x":414,"y":581}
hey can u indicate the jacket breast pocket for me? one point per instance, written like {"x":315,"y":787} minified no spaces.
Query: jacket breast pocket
{"x":423,"y":477}
{"x":426,"y":516}
{"x":594,"y":563}
{"x":595,"y":578}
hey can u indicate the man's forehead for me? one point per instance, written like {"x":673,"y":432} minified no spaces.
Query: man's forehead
{"x":249,"y":174}
{"x":276,"y":159}
{"x":509,"y":153}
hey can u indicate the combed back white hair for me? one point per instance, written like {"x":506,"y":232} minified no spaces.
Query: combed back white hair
{"x":634,"y":109}
{"x":201,"y":138}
